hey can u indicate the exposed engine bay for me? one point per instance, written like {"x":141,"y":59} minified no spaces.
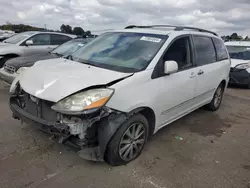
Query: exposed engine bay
{"x":82,"y":131}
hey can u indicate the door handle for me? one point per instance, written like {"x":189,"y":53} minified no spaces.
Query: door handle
{"x":200,"y":72}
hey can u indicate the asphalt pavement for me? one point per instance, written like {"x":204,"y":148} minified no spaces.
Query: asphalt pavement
{"x":214,"y":153}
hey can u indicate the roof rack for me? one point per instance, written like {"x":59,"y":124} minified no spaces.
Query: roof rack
{"x":176,"y":28}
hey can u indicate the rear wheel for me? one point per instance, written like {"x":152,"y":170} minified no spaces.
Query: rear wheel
{"x":216,"y":101}
{"x":128,"y":142}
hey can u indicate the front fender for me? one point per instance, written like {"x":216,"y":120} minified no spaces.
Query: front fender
{"x":107,"y":128}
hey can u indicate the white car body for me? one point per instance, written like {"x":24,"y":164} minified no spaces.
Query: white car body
{"x":169,"y":97}
{"x":20,"y":49}
{"x":235,"y":62}
{"x":239,"y":52}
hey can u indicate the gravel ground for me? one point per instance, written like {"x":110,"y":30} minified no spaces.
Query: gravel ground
{"x":214,"y":152}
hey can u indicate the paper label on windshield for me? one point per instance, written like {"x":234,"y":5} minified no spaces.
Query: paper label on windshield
{"x":81,"y":45}
{"x":151,"y":39}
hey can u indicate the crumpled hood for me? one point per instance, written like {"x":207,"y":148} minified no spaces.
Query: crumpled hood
{"x":56,"y":79}
{"x":235,"y":62}
{"x":28,"y":61}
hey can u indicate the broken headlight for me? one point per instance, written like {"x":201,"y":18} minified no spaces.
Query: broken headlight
{"x":243,"y":66}
{"x":86,"y":100}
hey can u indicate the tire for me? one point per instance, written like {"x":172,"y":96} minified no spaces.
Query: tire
{"x":118,"y":151}
{"x":3,"y":60}
{"x":216,"y":101}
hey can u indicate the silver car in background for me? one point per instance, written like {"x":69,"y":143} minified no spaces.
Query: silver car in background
{"x":31,"y":42}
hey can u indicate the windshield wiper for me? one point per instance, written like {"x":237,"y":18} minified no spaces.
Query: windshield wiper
{"x":87,"y":63}
{"x":60,"y":55}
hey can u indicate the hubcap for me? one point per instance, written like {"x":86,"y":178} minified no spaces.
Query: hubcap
{"x":132,"y":142}
{"x":218,"y":97}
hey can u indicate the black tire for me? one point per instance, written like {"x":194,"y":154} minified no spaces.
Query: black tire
{"x":3,"y":60}
{"x":215,"y":104}
{"x":112,"y":154}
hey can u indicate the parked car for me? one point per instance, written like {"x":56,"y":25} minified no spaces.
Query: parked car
{"x":11,"y":66}
{"x":4,"y":34}
{"x":239,"y":52}
{"x":31,"y":42}
{"x":121,"y":88}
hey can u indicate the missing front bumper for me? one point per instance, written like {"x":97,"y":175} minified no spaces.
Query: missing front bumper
{"x":101,"y":128}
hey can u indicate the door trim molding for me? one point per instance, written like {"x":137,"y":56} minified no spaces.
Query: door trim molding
{"x":181,"y":104}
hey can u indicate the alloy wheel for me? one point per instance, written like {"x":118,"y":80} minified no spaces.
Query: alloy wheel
{"x":132,"y":141}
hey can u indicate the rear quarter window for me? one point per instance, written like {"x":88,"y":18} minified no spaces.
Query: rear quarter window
{"x":205,"y":51}
{"x":59,"y":39}
{"x":220,"y":49}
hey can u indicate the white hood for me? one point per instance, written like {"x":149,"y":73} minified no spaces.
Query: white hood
{"x":6,"y":48}
{"x":235,"y":62}
{"x":56,"y":79}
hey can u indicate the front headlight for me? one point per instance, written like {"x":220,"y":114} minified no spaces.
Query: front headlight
{"x":1,"y":57}
{"x":243,"y":66}
{"x":21,"y":70}
{"x":86,"y":100}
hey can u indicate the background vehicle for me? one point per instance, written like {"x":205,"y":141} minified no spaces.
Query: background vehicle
{"x":123,"y":87}
{"x":31,"y":42}
{"x":10,"y":69}
{"x":240,"y":62}
{"x":4,"y":34}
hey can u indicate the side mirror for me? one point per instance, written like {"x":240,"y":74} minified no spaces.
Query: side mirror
{"x":170,"y":67}
{"x":29,"y":42}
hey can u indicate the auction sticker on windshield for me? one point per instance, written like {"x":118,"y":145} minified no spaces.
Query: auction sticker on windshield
{"x":151,"y":39}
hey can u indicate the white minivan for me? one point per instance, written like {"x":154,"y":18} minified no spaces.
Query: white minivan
{"x":113,"y":94}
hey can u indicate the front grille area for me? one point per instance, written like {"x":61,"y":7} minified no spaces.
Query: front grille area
{"x":38,"y":107}
{"x":9,"y":69}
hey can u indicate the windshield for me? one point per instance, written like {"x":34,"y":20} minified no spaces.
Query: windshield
{"x":239,"y":52}
{"x":70,"y":47}
{"x":18,"y":37}
{"x":123,"y":52}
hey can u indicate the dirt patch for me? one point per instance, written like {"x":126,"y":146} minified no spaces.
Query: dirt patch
{"x":207,"y":124}
{"x":246,"y":167}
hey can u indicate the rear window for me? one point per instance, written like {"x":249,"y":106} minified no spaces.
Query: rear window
{"x":205,"y":51}
{"x":59,"y":39}
{"x":220,"y":49}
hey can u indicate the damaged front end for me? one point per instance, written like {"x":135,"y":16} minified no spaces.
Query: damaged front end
{"x":90,"y":132}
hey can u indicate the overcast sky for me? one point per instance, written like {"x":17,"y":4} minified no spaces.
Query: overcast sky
{"x":222,"y":16}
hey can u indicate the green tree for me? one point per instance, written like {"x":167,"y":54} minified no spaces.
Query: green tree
{"x":88,"y":33}
{"x":63,"y":28}
{"x":78,"y":31}
{"x":235,"y":36}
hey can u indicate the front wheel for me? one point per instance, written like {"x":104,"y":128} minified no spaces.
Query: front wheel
{"x":216,"y":101}
{"x":3,"y":60}
{"x":128,"y":142}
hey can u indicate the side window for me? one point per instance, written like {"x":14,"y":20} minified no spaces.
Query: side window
{"x":180,"y":51}
{"x":59,"y":39}
{"x":40,"y":39}
{"x":220,"y":49}
{"x":205,"y":51}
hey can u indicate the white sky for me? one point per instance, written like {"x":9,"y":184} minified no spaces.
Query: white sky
{"x":222,"y":16}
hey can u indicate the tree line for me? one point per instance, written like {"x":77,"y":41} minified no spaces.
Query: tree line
{"x":235,"y":36}
{"x":80,"y":32}
{"x":18,"y":28}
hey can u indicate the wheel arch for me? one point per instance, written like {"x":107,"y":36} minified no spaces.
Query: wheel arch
{"x":224,"y":83}
{"x":149,"y":114}
{"x":11,"y":55}
{"x":109,"y":125}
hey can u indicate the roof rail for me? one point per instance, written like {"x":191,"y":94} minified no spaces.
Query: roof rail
{"x":176,"y":28}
